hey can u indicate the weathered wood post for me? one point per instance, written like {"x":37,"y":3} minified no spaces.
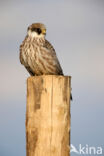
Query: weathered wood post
{"x":48,"y":116}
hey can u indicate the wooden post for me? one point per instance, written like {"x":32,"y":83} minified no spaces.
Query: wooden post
{"x":48,"y":116}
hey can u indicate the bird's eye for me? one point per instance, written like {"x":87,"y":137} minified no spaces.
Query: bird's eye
{"x":39,"y":31}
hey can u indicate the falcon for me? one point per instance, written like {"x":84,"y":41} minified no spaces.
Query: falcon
{"x":37,"y":54}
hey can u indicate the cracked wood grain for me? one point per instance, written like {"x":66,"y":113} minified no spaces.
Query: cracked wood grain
{"x":48,"y":116}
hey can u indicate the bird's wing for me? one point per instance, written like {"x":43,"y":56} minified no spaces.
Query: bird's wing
{"x":52,"y":54}
{"x":29,"y":70}
{"x":22,"y":59}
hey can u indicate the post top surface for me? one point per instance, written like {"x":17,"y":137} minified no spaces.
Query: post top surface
{"x":44,"y":76}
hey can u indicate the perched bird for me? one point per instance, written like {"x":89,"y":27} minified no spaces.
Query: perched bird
{"x":37,"y":54}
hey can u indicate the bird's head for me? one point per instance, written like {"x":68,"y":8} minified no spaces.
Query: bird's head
{"x":37,"y":30}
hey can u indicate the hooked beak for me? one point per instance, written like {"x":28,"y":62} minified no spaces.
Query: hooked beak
{"x":44,"y":31}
